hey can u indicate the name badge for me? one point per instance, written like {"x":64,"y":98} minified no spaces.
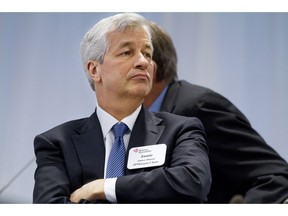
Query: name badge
{"x":146,"y":156}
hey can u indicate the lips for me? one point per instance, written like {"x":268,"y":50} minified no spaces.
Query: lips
{"x":140,"y":76}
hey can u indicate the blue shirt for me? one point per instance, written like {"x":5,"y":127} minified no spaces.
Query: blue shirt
{"x":155,"y":107}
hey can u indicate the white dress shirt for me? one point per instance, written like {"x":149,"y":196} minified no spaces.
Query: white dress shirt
{"x":107,"y":122}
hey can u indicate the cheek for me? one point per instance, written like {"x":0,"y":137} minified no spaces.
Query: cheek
{"x":107,"y":72}
{"x":113,"y":77}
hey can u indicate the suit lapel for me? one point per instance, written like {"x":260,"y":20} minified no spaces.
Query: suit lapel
{"x":147,"y":131}
{"x":90,"y":147}
{"x":169,"y":102}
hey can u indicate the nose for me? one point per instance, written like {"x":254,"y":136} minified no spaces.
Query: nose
{"x":141,"y":62}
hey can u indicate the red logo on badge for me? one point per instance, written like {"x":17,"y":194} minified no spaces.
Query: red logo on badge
{"x":135,"y":150}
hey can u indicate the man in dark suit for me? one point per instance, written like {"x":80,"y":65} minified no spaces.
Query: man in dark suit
{"x":166,"y":160}
{"x":244,"y":168}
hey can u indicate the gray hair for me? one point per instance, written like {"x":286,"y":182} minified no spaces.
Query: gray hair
{"x":95,"y":44}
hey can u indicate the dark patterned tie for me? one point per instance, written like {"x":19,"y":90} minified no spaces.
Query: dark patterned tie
{"x":116,"y":161}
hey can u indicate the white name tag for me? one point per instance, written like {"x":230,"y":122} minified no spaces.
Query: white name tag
{"x":146,"y":156}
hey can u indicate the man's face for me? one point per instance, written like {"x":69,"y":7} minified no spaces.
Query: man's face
{"x":127,"y":69}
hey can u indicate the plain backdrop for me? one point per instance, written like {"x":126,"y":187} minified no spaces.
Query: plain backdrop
{"x":243,"y":56}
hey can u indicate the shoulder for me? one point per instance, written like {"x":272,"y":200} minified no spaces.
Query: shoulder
{"x":193,"y":90}
{"x":204,"y":102}
{"x":64,"y":129}
{"x":195,"y":95}
{"x":188,"y":94}
{"x":174,"y":119}
{"x":184,"y":85}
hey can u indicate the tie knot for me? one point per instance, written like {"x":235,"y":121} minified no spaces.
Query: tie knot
{"x":120,"y":129}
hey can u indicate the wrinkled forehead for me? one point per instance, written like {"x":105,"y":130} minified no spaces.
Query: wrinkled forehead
{"x":125,"y":35}
{"x":132,"y":28}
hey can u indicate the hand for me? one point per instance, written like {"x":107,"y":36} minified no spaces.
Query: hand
{"x":91,"y":191}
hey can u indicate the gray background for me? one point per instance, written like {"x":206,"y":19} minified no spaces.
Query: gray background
{"x":243,"y":56}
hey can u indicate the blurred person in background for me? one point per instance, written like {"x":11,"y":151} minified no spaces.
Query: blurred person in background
{"x":244,"y":167}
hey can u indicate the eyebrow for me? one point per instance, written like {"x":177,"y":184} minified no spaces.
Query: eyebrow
{"x":128,"y":43}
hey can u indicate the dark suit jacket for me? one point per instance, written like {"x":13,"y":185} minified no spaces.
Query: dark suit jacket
{"x":241,"y":162}
{"x":72,"y":154}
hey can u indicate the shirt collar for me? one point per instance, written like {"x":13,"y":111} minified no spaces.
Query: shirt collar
{"x":107,"y":121}
{"x":156,"y":105}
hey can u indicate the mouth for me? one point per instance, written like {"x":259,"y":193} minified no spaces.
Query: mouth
{"x":140,"y":76}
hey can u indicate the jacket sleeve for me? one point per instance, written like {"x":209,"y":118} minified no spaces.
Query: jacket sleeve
{"x":185,"y":178}
{"x":51,"y":181}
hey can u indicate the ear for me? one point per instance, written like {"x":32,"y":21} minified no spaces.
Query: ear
{"x":92,"y":69}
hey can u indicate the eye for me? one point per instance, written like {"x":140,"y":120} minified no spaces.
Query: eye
{"x":147,"y":55}
{"x":126,"y":53}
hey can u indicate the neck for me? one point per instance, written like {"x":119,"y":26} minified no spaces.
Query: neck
{"x":121,"y":108}
{"x":157,"y":88}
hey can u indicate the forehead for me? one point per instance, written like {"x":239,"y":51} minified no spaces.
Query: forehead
{"x":138,"y":36}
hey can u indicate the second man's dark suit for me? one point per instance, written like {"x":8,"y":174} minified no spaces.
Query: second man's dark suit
{"x":241,"y":162}
{"x":72,"y":154}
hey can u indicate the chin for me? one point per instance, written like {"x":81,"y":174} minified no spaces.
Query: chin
{"x":141,"y":92}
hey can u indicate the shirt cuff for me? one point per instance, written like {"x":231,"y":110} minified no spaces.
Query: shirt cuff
{"x":109,"y":189}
